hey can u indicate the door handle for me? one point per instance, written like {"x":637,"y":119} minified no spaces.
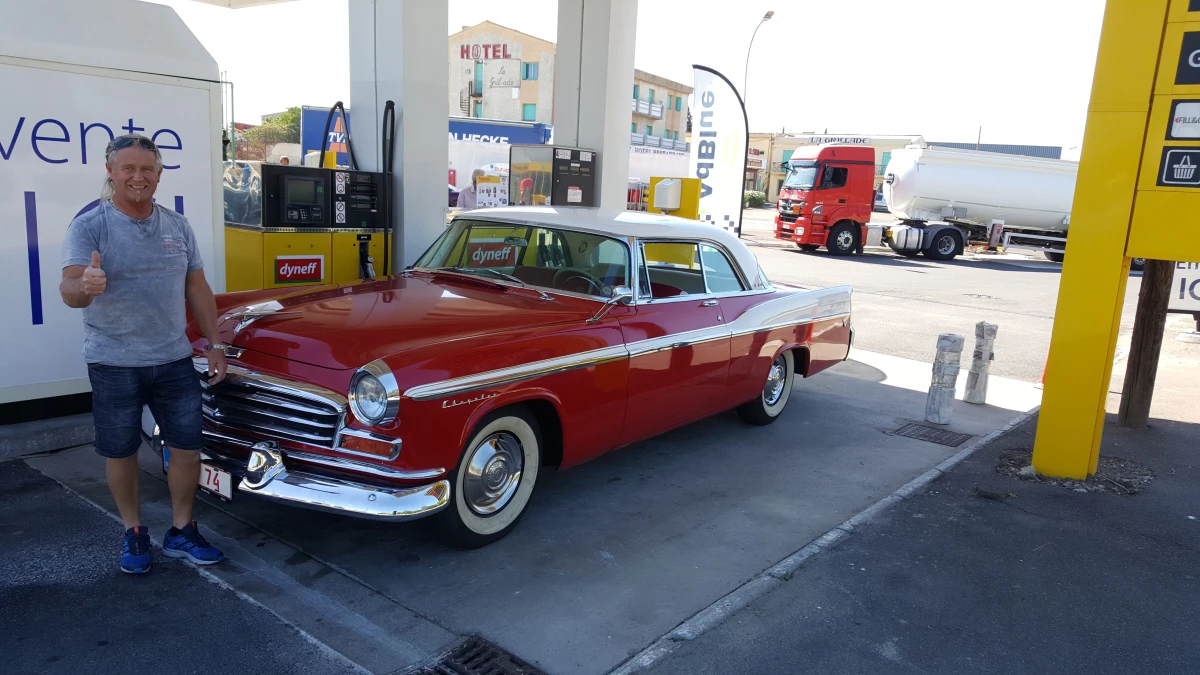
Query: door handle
{"x":709,"y":303}
{"x":841,"y":201}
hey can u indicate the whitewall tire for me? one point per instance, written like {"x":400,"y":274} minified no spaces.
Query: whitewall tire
{"x":775,"y":393}
{"x":494,"y":479}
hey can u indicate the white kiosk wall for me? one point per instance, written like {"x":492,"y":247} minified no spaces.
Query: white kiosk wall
{"x":66,"y":93}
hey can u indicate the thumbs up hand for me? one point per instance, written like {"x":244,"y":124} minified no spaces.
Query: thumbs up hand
{"x":94,"y":281}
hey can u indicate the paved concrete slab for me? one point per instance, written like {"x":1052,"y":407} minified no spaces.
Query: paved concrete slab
{"x":1043,"y":581}
{"x":616,"y":553}
{"x":68,"y":609}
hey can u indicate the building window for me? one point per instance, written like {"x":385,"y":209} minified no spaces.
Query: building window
{"x":649,"y":129}
{"x":635,"y":92}
{"x":670,"y":101}
{"x":666,"y":134}
{"x":529,"y":71}
{"x":651,"y":98}
{"x":633,"y":127}
{"x":479,"y":108}
{"x":529,"y":112}
{"x":478,"y":89}
{"x":677,"y":102}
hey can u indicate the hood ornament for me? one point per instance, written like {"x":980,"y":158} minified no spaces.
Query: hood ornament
{"x":251,"y":313}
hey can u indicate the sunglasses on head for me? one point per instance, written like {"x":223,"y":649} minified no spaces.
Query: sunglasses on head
{"x":122,"y":142}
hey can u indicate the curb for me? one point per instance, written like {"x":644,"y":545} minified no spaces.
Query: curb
{"x":31,"y":438}
{"x":716,"y":613}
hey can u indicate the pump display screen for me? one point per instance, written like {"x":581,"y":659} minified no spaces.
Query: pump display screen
{"x":300,"y":191}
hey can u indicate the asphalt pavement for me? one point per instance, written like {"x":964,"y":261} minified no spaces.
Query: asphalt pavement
{"x":67,"y":609}
{"x":902,"y":304}
{"x":987,"y":573}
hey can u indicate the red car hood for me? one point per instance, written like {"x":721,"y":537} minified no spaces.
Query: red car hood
{"x":349,"y":326}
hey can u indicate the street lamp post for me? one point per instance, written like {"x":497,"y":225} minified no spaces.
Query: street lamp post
{"x":745,"y":75}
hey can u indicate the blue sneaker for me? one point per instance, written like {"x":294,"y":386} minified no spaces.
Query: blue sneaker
{"x":189,"y":543}
{"x":135,"y":554}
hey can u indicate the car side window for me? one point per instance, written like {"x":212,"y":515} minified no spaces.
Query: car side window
{"x":719,"y":272}
{"x":673,"y":269}
{"x":834,"y":177}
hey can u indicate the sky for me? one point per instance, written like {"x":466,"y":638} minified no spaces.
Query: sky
{"x":1020,"y":69}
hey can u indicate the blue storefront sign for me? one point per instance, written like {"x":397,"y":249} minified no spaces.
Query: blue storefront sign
{"x":312,"y":125}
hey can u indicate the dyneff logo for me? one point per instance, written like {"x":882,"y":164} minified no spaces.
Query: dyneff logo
{"x":297,"y":269}
{"x":492,"y":254}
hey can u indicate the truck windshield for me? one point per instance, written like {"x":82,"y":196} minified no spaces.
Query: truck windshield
{"x":801,"y":176}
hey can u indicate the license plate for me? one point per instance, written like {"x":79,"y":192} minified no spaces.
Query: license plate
{"x":216,"y":481}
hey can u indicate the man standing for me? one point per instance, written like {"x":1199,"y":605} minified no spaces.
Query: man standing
{"x":134,"y":340}
{"x":468,"y":198}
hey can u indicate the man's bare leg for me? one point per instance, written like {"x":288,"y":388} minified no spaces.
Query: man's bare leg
{"x":183,"y":477}
{"x":123,"y":483}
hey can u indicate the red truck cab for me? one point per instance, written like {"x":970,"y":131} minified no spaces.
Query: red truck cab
{"x":827,"y":197}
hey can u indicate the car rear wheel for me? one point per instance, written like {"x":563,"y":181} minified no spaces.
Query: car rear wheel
{"x":774,"y":395}
{"x":842,"y":238}
{"x":494,"y":479}
{"x":1055,"y":256}
{"x":945,"y":245}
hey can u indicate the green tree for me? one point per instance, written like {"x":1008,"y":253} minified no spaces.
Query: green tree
{"x":282,"y":129}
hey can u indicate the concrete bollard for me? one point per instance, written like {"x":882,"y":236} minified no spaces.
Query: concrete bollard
{"x":981,"y":359}
{"x":945,"y":374}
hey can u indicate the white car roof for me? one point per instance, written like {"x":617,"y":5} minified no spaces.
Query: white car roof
{"x":623,"y":224}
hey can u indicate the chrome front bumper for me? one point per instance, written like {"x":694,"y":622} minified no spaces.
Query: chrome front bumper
{"x":266,"y":475}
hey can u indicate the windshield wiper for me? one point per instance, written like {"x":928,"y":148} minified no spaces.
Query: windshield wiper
{"x":472,"y":270}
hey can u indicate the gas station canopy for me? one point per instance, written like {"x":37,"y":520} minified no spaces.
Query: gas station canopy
{"x":238,"y":4}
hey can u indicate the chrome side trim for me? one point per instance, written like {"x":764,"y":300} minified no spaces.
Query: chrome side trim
{"x":785,"y":324}
{"x":512,"y":374}
{"x":678,"y":340}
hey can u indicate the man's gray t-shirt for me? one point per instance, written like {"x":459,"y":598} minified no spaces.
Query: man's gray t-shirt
{"x":141,"y":317}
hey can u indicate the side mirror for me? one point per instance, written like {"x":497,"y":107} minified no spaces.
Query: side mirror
{"x":621,"y":295}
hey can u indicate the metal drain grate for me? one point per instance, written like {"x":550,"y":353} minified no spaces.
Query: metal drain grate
{"x":932,"y":435}
{"x":477,"y":656}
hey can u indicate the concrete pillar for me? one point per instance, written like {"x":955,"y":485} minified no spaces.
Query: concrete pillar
{"x":940,"y":403}
{"x":397,"y":53}
{"x":595,"y":48}
{"x":981,"y":361}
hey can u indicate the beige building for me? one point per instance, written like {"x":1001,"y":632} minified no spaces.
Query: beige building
{"x":660,"y":109}
{"x":503,"y":74}
{"x":500,"y":73}
{"x":769,"y":153}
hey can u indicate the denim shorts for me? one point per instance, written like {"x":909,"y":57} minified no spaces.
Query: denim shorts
{"x":172,"y":391}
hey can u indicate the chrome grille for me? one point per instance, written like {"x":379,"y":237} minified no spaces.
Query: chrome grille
{"x":269,"y":407}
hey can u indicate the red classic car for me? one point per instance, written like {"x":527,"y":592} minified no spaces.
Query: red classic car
{"x":524,"y":339}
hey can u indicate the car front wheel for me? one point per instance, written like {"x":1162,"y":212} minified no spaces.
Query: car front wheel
{"x":494,"y":479}
{"x":775,"y":393}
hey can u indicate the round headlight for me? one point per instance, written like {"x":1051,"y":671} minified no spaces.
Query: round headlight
{"x":368,"y":398}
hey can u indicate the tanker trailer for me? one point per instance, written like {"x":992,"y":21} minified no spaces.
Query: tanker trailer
{"x":947,"y":198}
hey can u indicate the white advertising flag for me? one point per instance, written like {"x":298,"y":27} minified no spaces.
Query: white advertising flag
{"x":720,"y":138}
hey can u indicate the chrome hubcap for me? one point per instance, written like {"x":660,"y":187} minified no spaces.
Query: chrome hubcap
{"x":845,"y":239}
{"x":775,"y":381}
{"x":946,"y":245}
{"x":493,"y":473}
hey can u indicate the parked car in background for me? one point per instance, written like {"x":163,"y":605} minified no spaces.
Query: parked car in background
{"x":525,"y":339}
{"x":881,"y":205}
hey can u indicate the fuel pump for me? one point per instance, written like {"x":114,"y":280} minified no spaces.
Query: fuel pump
{"x":297,"y":225}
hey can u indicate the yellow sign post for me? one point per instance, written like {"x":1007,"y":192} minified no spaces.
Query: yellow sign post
{"x":1137,"y":196}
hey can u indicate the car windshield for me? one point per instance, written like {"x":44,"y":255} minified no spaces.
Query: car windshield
{"x":533,"y":255}
{"x":801,"y":176}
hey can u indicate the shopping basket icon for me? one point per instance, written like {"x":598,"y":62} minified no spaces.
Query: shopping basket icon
{"x":1184,"y":170}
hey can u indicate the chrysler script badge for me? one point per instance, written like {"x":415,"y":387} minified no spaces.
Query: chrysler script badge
{"x":482,"y":397}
